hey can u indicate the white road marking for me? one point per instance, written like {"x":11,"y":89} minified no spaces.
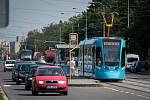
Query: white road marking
{"x":131,"y":93}
{"x":121,"y":91}
{"x":7,"y":85}
{"x":126,"y":92}
{"x":143,"y":96}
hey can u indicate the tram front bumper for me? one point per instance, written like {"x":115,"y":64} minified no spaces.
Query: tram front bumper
{"x":111,"y":74}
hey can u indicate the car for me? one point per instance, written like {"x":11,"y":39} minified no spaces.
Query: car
{"x":9,"y":64}
{"x":28,"y":78}
{"x":49,"y":79}
{"x":20,"y":71}
{"x":14,"y":69}
{"x":138,"y":66}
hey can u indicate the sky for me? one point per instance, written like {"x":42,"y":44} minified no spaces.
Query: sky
{"x":27,"y":15}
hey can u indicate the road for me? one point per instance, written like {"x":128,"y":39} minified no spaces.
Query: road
{"x":110,"y":90}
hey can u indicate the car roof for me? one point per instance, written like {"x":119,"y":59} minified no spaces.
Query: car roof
{"x":25,"y":63}
{"x":10,"y":60}
{"x":48,"y":66}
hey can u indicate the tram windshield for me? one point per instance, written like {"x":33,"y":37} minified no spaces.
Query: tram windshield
{"x":112,"y":53}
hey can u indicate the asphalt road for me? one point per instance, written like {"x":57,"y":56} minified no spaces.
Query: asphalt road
{"x":108,"y":92}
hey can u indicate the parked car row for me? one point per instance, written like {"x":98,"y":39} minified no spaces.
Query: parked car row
{"x":138,"y":66}
{"x":40,"y":78}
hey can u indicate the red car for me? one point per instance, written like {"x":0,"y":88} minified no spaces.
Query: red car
{"x":49,"y":79}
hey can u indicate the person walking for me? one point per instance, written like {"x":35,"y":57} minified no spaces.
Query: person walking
{"x":73,"y":66}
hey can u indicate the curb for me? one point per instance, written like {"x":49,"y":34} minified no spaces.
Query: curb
{"x":85,"y":85}
{"x":5,"y":97}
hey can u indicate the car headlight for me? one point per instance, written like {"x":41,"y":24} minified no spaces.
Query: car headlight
{"x":61,"y":82}
{"x":30,"y":78}
{"x":41,"y":82}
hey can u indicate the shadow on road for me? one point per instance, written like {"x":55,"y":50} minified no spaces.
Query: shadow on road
{"x":19,"y":89}
{"x":7,"y":80}
{"x":25,"y":94}
{"x":41,"y":94}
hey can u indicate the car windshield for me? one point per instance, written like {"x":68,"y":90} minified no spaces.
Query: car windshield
{"x":24,"y":67}
{"x":33,"y":70}
{"x":141,"y":64}
{"x":10,"y":62}
{"x":132,"y":59}
{"x":50,"y":72}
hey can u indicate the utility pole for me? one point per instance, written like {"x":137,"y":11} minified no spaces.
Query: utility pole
{"x":86,"y":27}
{"x":60,"y":34}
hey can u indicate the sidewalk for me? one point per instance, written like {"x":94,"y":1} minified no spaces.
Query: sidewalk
{"x":3,"y":94}
{"x":84,"y":82}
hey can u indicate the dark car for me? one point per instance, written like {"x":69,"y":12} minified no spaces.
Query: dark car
{"x":20,"y":71}
{"x":14,"y":69}
{"x":28,"y":79}
{"x":138,"y":66}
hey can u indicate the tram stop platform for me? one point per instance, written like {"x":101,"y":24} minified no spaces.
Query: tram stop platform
{"x":83,"y":82}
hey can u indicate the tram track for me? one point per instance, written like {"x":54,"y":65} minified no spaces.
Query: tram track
{"x":139,"y":81}
{"x":131,"y":84}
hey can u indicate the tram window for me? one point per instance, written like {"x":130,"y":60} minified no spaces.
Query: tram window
{"x":123,"y":57}
{"x":98,"y":56}
{"x":94,"y":53}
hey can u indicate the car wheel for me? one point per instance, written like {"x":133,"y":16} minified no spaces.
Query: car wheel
{"x":27,"y":87}
{"x":64,"y":93}
{"x":34,"y":92}
{"x":13,"y":79}
{"x":17,"y":82}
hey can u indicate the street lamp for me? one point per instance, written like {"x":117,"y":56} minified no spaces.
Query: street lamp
{"x":103,"y":14}
{"x":85,"y":24}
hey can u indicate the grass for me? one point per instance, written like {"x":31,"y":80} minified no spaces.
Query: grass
{"x":1,"y":96}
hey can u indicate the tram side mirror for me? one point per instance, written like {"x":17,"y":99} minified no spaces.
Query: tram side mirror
{"x":4,"y":13}
{"x":123,"y":61}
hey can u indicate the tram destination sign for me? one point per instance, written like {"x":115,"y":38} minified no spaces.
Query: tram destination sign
{"x":112,"y":43}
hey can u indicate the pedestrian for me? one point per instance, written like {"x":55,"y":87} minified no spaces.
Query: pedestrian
{"x":73,"y":66}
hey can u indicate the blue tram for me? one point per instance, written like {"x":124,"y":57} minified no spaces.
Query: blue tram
{"x":102,"y":58}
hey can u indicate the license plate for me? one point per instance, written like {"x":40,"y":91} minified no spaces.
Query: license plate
{"x":51,"y":87}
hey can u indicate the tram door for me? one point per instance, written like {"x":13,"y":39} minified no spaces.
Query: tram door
{"x":97,"y":58}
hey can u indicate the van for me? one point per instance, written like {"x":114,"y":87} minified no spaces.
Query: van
{"x":130,"y":59}
{"x":9,"y":64}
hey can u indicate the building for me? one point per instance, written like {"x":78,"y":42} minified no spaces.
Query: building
{"x":14,"y":47}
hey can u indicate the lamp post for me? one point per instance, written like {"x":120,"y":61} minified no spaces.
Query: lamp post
{"x":103,"y":14}
{"x":85,"y":24}
{"x":128,"y":14}
{"x":60,"y":30}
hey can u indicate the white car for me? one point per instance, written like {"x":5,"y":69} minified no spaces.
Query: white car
{"x":9,"y":64}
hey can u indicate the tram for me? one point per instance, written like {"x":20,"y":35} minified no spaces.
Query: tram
{"x":102,"y":58}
